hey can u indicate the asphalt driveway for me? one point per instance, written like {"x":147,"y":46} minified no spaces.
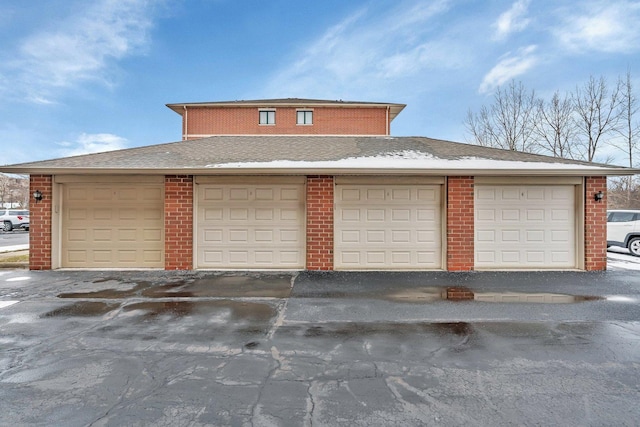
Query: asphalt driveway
{"x":192,"y":349}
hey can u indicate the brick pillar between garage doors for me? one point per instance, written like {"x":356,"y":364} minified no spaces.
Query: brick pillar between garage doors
{"x":460,"y":223}
{"x":320,"y":223}
{"x":178,"y":222}
{"x":40,"y":223}
{"x":595,"y":225}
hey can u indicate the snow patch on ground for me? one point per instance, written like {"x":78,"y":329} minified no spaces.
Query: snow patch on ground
{"x":621,"y":259}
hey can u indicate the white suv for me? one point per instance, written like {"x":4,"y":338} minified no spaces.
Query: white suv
{"x":623,"y":229}
{"x":13,"y":218}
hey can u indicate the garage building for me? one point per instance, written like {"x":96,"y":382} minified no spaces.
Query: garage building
{"x":336,"y":192}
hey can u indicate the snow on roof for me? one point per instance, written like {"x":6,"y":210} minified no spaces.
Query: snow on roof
{"x":406,"y":159}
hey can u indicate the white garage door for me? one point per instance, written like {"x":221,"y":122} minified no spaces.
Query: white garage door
{"x":525,"y":226}
{"x":116,"y":225}
{"x":257,"y":224}
{"x":388,"y":227}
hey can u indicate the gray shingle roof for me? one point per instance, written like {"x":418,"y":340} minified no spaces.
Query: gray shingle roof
{"x":394,"y":109}
{"x":225,"y":154}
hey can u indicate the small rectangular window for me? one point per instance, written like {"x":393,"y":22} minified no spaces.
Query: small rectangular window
{"x":267,"y":117}
{"x":305,"y":117}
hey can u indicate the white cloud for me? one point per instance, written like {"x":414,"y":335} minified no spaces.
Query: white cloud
{"x":509,"y":67}
{"x":513,"y":20}
{"x":77,"y":50}
{"x":88,"y":143}
{"x":365,"y":48}
{"x":602,"y":26}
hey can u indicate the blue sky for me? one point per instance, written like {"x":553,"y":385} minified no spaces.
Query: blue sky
{"x":81,"y":76}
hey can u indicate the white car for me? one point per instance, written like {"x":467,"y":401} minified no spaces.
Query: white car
{"x":623,"y":229}
{"x":14,"y":218}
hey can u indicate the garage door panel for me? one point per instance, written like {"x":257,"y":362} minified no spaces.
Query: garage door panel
{"x":485,"y":214}
{"x":535,"y":236}
{"x":112,"y":225}
{"x":290,"y":214}
{"x":291,"y":194}
{"x":100,"y":194}
{"x":400,"y":194}
{"x":264,"y":214}
{"x":560,"y":215}
{"x":239,"y":214}
{"x":375,"y":194}
{"x":152,"y":235}
{"x":535,"y":215}
{"x":250,"y":225}
{"x":212,"y":257}
{"x":349,"y":194}
{"x":212,"y":194}
{"x":387,"y":227}
{"x":534,"y":194}
{"x":400,"y":236}
{"x":213,"y":214}
{"x":239,"y":194}
{"x":525,"y":226}
{"x":512,"y":215}
{"x":510,"y":194}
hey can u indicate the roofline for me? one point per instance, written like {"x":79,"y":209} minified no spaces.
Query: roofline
{"x":394,"y":109}
{"x":323,"y":171}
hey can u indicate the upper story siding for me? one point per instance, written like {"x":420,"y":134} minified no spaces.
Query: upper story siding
{"x":242,"y":118}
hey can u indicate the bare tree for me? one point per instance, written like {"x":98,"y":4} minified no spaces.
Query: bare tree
{"x":14,"y":191}
{"x":629,"y":131}
{"x":509,"y":122}
{"x":4,"y":188}
{"x":598,"y":113}
{"x":629,"y":127}
{"x":555,"y":127}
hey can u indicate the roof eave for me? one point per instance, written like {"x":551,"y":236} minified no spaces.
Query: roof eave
{"x":322,"y":171}
{"x":394,"y":109}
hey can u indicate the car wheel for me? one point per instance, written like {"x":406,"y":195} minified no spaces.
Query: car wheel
{"x":8,"y":226}
{"x":634,"y":246}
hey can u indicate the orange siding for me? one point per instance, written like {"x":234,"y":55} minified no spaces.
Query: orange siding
{"x":244,"y":121}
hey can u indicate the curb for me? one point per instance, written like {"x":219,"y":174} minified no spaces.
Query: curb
{"x":14,"y":265}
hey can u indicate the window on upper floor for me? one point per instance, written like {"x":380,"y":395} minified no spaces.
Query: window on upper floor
{"x":304,"y":117}
{"x":267,"y":117}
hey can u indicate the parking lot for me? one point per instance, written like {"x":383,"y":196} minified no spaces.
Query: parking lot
{"x":192,"y":349}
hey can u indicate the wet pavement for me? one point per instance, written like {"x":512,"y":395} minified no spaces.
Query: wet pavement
{"x":319,"y":349}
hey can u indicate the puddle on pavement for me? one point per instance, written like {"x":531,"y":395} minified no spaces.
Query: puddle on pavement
{"x":83,"y":309}
{"x":396,"y":329}
{"x":111,"y":293}
{"x":424,"y":294}
{"x":238,"y":311}
{"x":225,"y":286}
{"x":431,"y":294}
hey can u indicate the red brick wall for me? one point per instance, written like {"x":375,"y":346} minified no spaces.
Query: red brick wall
{"x":319,"y":223}
{"x":40,"y":223}
{"x":595,"y":225}
{"x":460,"y":223}
{"x":178,"y":222}
{"x":326,"y":121}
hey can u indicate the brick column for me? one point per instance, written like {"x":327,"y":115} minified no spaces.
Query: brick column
{"x":595,"y":225}
{"x":319,"y":223}
{"x":460,"y":223}
{"x":40,"y":222}
{"x":178,"y":222}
